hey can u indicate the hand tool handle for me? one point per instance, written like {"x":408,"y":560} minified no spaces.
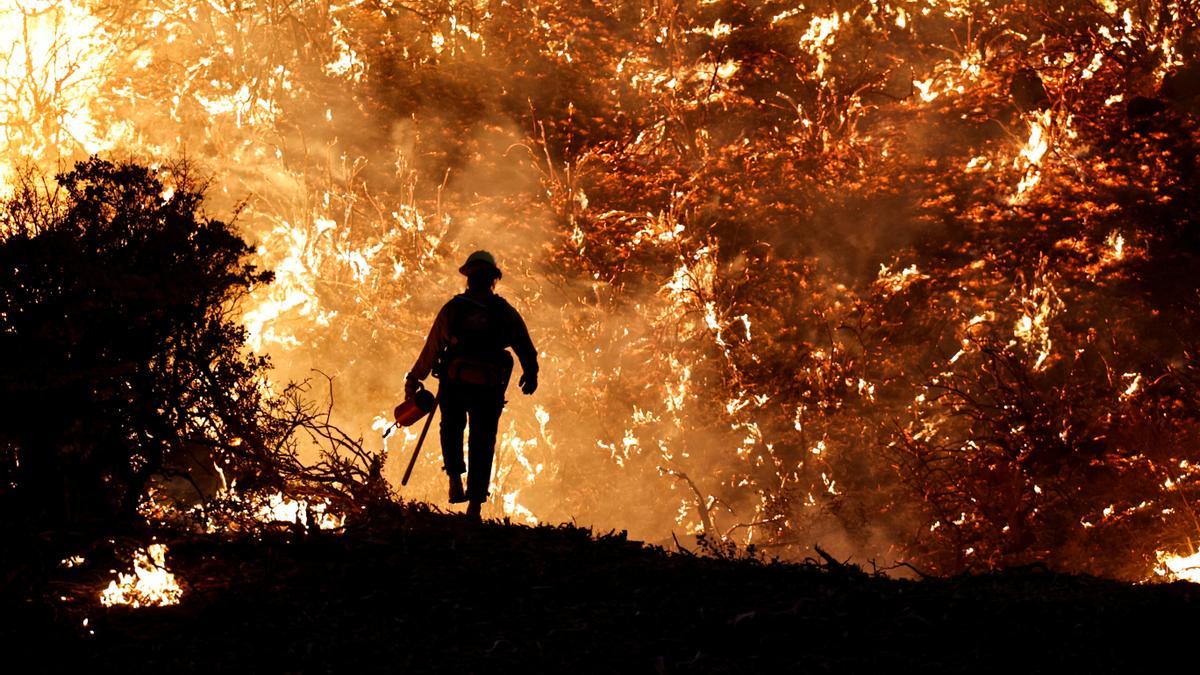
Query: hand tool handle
{"x":417,"y":450}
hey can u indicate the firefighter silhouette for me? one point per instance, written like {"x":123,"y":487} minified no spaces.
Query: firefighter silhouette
{"x":467,"y":350}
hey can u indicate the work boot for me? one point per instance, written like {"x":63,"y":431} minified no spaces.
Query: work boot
{"x":473,"y":510}
{"x":457,"y":495}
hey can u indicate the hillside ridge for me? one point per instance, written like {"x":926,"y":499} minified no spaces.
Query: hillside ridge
{"x":429,"y":592}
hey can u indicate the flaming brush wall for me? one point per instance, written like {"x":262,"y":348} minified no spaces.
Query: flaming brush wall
{"x":912,"y":279}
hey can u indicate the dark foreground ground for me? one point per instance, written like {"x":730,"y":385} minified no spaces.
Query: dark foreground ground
{"x":429,"y":593}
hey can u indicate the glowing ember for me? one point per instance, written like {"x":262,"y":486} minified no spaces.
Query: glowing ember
{"x":149,"y":585}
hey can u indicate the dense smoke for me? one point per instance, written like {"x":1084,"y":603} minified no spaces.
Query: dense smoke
{"x":911,"y":280}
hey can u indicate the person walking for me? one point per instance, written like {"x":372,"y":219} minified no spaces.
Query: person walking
{"x":467,"y":350}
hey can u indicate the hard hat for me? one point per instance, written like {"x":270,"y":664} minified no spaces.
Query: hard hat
{"x":480,"y":260}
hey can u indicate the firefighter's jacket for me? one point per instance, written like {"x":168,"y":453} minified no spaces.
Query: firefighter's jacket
{"x":452,"y":334}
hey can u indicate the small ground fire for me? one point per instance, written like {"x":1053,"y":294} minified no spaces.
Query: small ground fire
{"x":150,"y":584}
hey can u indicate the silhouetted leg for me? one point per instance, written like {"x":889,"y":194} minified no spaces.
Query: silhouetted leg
{"x":454,"y":421}
{"x":485,"y":412}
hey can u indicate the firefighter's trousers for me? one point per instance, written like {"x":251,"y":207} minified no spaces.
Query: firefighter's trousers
{"x":481,"y":405}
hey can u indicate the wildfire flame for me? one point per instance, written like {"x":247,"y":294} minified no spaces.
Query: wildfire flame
{"x":149,"y":584}
{"x":694,"y":236}
{"x":1173,"y":567}
{"x":279,"y":508}
{"x":1029,"y":159}
{"x":52,"y":68}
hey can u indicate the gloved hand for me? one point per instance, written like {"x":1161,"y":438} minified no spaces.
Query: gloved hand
{"x":411,"y":386}
{"x":528,"y":383}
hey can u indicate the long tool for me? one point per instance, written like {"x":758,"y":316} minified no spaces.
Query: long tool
{"x":420,"y":441}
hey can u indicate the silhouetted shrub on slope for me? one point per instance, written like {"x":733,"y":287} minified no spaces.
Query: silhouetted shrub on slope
{"x":117,"y":348}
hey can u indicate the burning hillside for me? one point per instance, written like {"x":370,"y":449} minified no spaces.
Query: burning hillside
{"x":911,"y":279}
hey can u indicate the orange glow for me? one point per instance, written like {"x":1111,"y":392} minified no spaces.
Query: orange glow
{"x":884,"y":237}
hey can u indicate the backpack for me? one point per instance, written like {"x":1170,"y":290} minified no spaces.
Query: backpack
{"x":479,"y":335}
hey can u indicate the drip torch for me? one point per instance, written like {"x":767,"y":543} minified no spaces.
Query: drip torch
{"x":409,"y":413}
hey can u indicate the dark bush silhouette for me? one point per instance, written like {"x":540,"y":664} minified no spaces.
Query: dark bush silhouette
{"x":117,"y":345}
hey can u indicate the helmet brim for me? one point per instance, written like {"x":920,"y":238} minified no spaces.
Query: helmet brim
{"x":477,"y":265}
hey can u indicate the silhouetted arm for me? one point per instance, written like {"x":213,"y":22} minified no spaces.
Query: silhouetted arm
{"x":439,"y":337}
{"x":522,"y":345}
